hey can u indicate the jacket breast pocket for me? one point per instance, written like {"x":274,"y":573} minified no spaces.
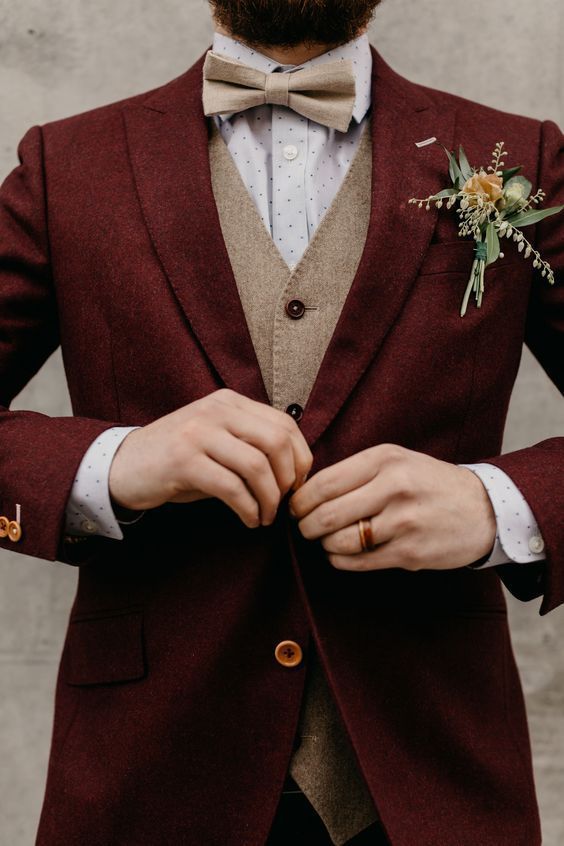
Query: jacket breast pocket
{"x":457,"y":257}
{"x":105,"y":649}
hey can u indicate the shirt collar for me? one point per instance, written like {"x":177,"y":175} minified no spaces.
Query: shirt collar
{"x":357,"y":50}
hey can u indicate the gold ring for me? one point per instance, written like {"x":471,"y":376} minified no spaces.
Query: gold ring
{"x":366,"y":537}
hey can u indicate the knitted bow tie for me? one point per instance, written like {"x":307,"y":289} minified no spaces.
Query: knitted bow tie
{"x":325,"y":93}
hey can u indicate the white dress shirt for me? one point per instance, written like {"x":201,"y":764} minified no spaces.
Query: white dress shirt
{"x":292,"y":168}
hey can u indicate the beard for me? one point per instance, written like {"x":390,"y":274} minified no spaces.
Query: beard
{"x":287,"y":23}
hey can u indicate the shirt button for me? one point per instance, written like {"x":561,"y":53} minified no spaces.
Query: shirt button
{"x":89,"y":526}
{"x":290,"y":152}
{"x":536,"y":543}
{"x":295,"y":309}
{"x":296,"y":411}
{"x":288,"y":653}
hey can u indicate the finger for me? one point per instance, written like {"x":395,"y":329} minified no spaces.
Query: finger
{"x":334,"y":514}
{"x":396,"y":544}
{"x":303,"y":457}
{"x":334,"y":481}
{"x":276,"y":440}
{"x":252,"y":465}
{"x":384,"y":558}
{"x":218,"y":481}
{"x":347,"y":541}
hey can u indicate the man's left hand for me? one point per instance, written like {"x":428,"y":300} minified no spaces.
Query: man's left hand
{"x":425,"y":513}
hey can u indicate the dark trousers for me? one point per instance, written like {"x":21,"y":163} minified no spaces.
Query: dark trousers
{"x":298,"y":824}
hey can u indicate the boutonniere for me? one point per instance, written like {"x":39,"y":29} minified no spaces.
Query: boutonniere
{"x":492,"y":204}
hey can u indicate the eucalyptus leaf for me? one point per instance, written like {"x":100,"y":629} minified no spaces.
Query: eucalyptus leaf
{"x":492,"y":241}
{"x":530,"y":217}
{"x":465,"y":168}
{"x":454,"y":170}
{"x":509,"y":173}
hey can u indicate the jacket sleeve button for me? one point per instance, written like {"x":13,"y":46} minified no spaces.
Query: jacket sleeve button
{"x":14,"y":531}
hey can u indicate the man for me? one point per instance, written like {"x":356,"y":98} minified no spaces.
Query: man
{"x":255,"y":322}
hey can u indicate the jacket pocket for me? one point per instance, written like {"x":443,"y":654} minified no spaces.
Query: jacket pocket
{"x":457,"y":257}
{"x":105,"y":649}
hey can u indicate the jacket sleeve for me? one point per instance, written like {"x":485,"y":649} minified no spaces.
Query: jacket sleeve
{"x":39,"y":455}
{"x":538,"y":470}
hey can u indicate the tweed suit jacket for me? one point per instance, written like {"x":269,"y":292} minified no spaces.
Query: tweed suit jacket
{"x":173,"y":721}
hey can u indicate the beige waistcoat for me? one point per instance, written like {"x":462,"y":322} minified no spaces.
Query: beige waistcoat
{"x":289,"y":352}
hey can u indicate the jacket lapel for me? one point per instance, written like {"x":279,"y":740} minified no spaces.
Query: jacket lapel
{"x":398,"y":236}
{"x":168,"y":147}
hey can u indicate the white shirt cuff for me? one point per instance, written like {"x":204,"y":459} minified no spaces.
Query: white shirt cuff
{"x":518,"y":538}
{"x":89,"y":508}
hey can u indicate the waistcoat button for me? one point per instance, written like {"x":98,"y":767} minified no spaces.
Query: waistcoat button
{"x":296,"y":411}
{"x":295,"y":309}
{"x":288,"y":653}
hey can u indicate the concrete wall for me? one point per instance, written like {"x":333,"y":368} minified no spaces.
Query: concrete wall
{"x":64,"y":56}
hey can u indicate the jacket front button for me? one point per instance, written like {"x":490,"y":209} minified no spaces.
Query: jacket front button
{"x":4,"y":523}
{"x":288,"y":653}
{"x":296,"y":411}
{"x":295,"y":309}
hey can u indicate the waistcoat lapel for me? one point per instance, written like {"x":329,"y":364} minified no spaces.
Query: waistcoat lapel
{"x":289,"y":350}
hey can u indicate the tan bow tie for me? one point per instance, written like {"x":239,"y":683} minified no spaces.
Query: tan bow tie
{"x":325,"y":93}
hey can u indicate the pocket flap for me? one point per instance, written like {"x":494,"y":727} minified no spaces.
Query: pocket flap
{"x":457,"y":257}
{"x":101,"y":650}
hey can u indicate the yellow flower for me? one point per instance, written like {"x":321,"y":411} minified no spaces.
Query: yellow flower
{"x":515,"y":193}
{"x":488,"y":185}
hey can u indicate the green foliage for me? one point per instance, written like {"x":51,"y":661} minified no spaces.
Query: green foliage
{"x":454,"y":169}
{"x":509,"y":173}
{"x":530,"y":217}
{"x":465,"y":169}
{"x":492,"y":241}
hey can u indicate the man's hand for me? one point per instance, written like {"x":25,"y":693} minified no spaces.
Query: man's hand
{"x":225,"y":445}
{"x":425,"y":513}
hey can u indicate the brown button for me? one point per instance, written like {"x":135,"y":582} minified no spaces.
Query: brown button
{"x":14,"y":531}
{"x":295,"y":309}
{"x":296,"y":411}
{"x":4,"y":523}
{"x":288,"y":653}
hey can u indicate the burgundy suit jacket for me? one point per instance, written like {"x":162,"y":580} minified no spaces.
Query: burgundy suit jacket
{"x":174,"y":723}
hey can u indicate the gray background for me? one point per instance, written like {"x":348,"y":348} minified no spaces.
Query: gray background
{"x":65,"y":56}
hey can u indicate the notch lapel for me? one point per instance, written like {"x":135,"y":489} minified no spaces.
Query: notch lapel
{"x":398,"y":236}
{"x":167,"y":136}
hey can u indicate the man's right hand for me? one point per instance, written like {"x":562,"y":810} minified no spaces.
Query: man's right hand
{"x":224,"y":445}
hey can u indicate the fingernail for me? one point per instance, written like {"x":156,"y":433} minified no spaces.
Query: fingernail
{"x":292,"y":512}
